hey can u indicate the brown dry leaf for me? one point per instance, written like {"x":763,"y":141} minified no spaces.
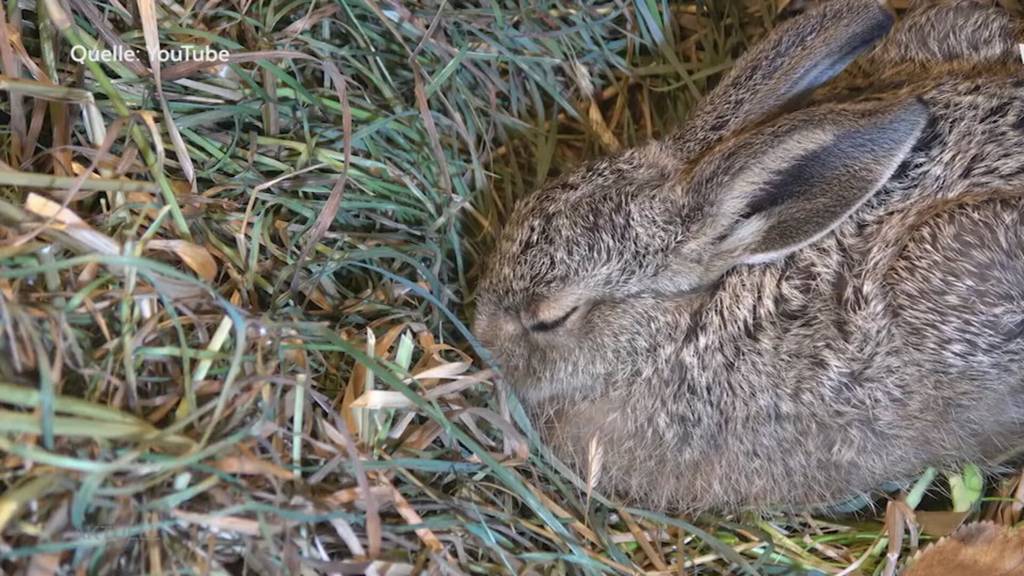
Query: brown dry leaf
{"x":643,"y":540}
{"x":353,"y":390}
{"x":88,"y":273}
{"x":898,"y":518}
{"x":144,"y":199}
{"x":246,"y":465}
{"x":409,"y":514}
{"x":563,"y":513}
{"x":380,"y":399}
{"x":190,"y":67}
{"x":332,"y":433}
{"x":1006,"y":509}
{"x":66,"y":220}
{"x":940,"y":522}
{"x":978,"y":549}
{"x":147,"y":15}
{"x":382,"y":568}
{"x":448,"y":370}
{"x":422,"y":437}
{"x":511,"y":436}
{"x":458,"y":385}
{"x":153,"y":546}
{"x":347,"y":496}
{"x":194,"y":256}
{"x":149,"y":121}
{"x":425,"y":339}
{"x":44,"y":565}
{"x":307,"y":21}
{"x":163,"y":409}
{"x":234,"y":524}
{"x":181,"y":188}
{"x":384,"y":343}
{"x":604,"y":135}
{"x":373,"y":526}
{"x":433,"y":137}
{"x":150,"y":31}
{"x":294,"y":351}
{"x":317,"y":296}
{"x":357,"y":381}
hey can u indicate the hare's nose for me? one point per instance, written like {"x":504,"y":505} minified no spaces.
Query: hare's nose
{"x":496,"y":327}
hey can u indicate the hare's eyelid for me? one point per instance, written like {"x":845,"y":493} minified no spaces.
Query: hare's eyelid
{"x":548,"y":325}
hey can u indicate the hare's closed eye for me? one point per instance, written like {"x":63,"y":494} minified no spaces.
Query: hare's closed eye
{"x":549,"y":325}
{"x":555,"y":313}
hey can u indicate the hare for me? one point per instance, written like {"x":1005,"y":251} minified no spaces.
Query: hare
{"x":803,"y":294}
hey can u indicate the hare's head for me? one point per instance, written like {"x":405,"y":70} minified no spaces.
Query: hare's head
{"x":591,"y":267}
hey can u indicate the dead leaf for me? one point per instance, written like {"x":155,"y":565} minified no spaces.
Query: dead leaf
{"x":246,"y":465}
{"x":355,"y":494}
{"x":409,"y":514}
{"x":67,"y":221}
{"x":448,"y":370}
{"x":379,"y":399}
{"x":940,"y":522}
{"x":194,"y":256}
{"x":44,"y":565}
{"x":604,"y":135}
{"x":234,"y":524}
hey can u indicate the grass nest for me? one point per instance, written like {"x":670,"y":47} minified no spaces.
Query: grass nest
{"x":237,"y":246}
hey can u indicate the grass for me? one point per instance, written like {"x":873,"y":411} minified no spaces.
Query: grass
{"x":233,"y":302}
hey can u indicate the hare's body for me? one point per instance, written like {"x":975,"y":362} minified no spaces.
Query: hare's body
{"x":798,"y":369}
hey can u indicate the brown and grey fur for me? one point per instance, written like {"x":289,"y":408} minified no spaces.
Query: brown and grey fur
{"x":799,"y":296}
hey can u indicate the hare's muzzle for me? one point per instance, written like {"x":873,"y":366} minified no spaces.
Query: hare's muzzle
{"x":497,"y":329}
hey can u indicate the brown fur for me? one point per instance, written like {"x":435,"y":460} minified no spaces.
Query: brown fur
{"x":799,"y":296}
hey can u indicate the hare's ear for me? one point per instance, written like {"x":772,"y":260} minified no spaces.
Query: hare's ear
{"x":794,"y":59}
{"x":791,"y":182}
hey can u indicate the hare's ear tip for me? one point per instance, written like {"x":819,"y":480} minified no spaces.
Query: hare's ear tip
{"x":882,"y":5}
{"x":913,"y":113}
{"x":920,"y":110}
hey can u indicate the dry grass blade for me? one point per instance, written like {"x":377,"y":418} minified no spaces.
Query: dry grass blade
{"x":323,"y":221}
{"x":11,"y":68}
{"x":147,"y":15}
{"x":32,"y":180}
{"x":595,"y":460}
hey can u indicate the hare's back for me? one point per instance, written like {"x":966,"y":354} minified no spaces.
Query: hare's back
{"x":958,"y":286}
{"x":957,"y":298}
{"x":972,"y":143}
{"x":949,"y":33}
{"x":946,"y":240}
